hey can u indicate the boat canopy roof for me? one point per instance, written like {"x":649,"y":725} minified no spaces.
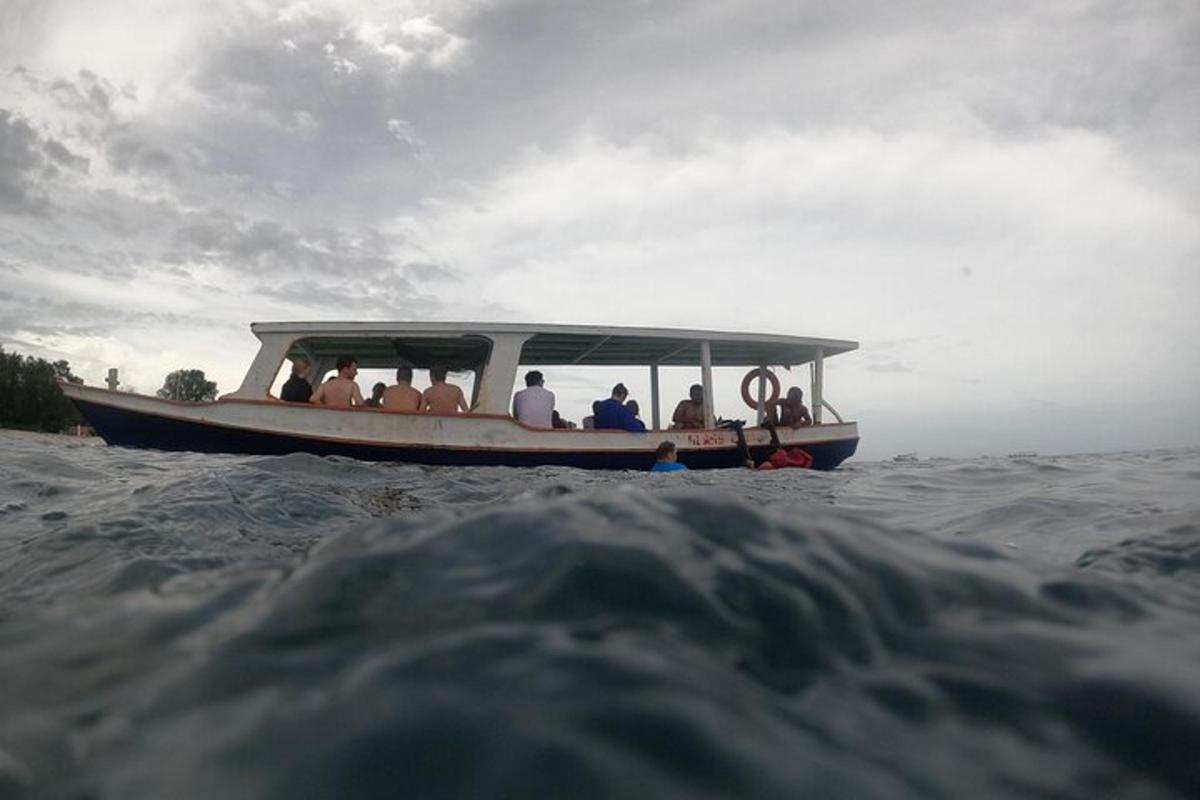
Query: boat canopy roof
{"x":466,"y":345}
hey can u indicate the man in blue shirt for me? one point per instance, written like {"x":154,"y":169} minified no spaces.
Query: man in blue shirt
{"x":666,"y":456}
{"x":613,"y":414}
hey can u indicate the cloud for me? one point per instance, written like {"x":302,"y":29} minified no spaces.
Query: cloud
{"x":849,"y":234}
{"x":1004,"y":193}
{"x":877,"y":365}
{"x":37,"y":315}
{"x":27,"y":160}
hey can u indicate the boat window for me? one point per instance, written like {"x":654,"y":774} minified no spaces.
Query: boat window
{"x":463,"y":379}
{"x":576,"y":387}
{"x":379,"y":356}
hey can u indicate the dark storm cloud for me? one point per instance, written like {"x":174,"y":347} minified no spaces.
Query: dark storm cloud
{"x":20,"y":162}
{"x":86,"y":102}
{"x":334,"y":114}
{"x":87,"y":94}
{"x":27,"y":159}
{"x":128,"y":154}
{"x":344,"y":157}
{"x":325,"y":267}
{"x":675,"y":68}
{"x":426,"y":272}
{"x":316,"y":104}
{"x":35,"y":314}
{"x":262,"y":245}
{"x":354,"y":298}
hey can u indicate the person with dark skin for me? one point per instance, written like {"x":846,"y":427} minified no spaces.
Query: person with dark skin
{"x":792,"y":411}
{"x":376,"y":398}
{"x":690,"y":412}
{"x":297,"y":389}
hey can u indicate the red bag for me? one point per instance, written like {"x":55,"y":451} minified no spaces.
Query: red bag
{"x":788,"y":457}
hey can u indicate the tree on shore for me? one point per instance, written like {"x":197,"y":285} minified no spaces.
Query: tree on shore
{"x":188,"y":385}
{"x":29,"y":394}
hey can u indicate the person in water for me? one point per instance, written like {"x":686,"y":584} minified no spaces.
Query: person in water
{"x":690,"y":412}
{"x":297,"y":389}
{"x":666,"y":459}
{"x":613,"y":414}
{"x":340,"y":390}
{"x":376,"y":398}
{"x":534,"y":405}
{"x":442,"y":397}
{"x":402,"y":396}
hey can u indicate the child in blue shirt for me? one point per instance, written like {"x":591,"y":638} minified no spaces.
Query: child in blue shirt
{"x":666,"y":455}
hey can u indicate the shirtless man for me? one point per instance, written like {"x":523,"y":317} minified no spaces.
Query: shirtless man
{"x":376,"y":398}
{"x":402,"y":396}
{"x":442,"y":397}
{"x":690,"y":413}
{"x":340,"y":390}
{"x":792,"y":411}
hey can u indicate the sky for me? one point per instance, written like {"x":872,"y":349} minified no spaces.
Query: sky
{"x":999,"y":201}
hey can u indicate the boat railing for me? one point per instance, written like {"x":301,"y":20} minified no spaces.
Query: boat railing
{"x":831,"y":410}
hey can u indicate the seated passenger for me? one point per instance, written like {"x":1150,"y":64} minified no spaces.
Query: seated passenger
{"x":442,"y":397}
{"x":402,"y":396}
{"x":665,"y":459}
{"x":792,"y":411}
{"x":690,"y":413}
{"x":297,"y":389}
{"x":635,"y":409}
{"x":589,"y":421}
{"x":534,"y":405}
{"x":560,"y":423}
{"x":340,"y":390}
{"x":613,"y":414}
{"x":376,"y":398}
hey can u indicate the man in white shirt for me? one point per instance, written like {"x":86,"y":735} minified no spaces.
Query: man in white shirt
{"x":534,"y":405}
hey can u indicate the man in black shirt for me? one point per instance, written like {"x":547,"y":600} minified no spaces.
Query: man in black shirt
{"x":297,"y":390}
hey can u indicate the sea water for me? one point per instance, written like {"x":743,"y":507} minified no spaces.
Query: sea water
{"x":197,"y":626}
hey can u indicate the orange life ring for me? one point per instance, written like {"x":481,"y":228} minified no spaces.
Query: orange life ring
{"x":760,"y":373}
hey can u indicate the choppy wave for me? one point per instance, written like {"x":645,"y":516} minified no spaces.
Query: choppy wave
{"x":210,"y":626}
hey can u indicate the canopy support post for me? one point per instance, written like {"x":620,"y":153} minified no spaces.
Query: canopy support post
{"x":762,"y":393}
{"x":706,"y":379}
{"x":261,"y":375}
{"x":818,"y":385}
{"x":654,"y":414}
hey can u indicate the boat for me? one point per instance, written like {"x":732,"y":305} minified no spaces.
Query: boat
{"x":251,"y":421}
